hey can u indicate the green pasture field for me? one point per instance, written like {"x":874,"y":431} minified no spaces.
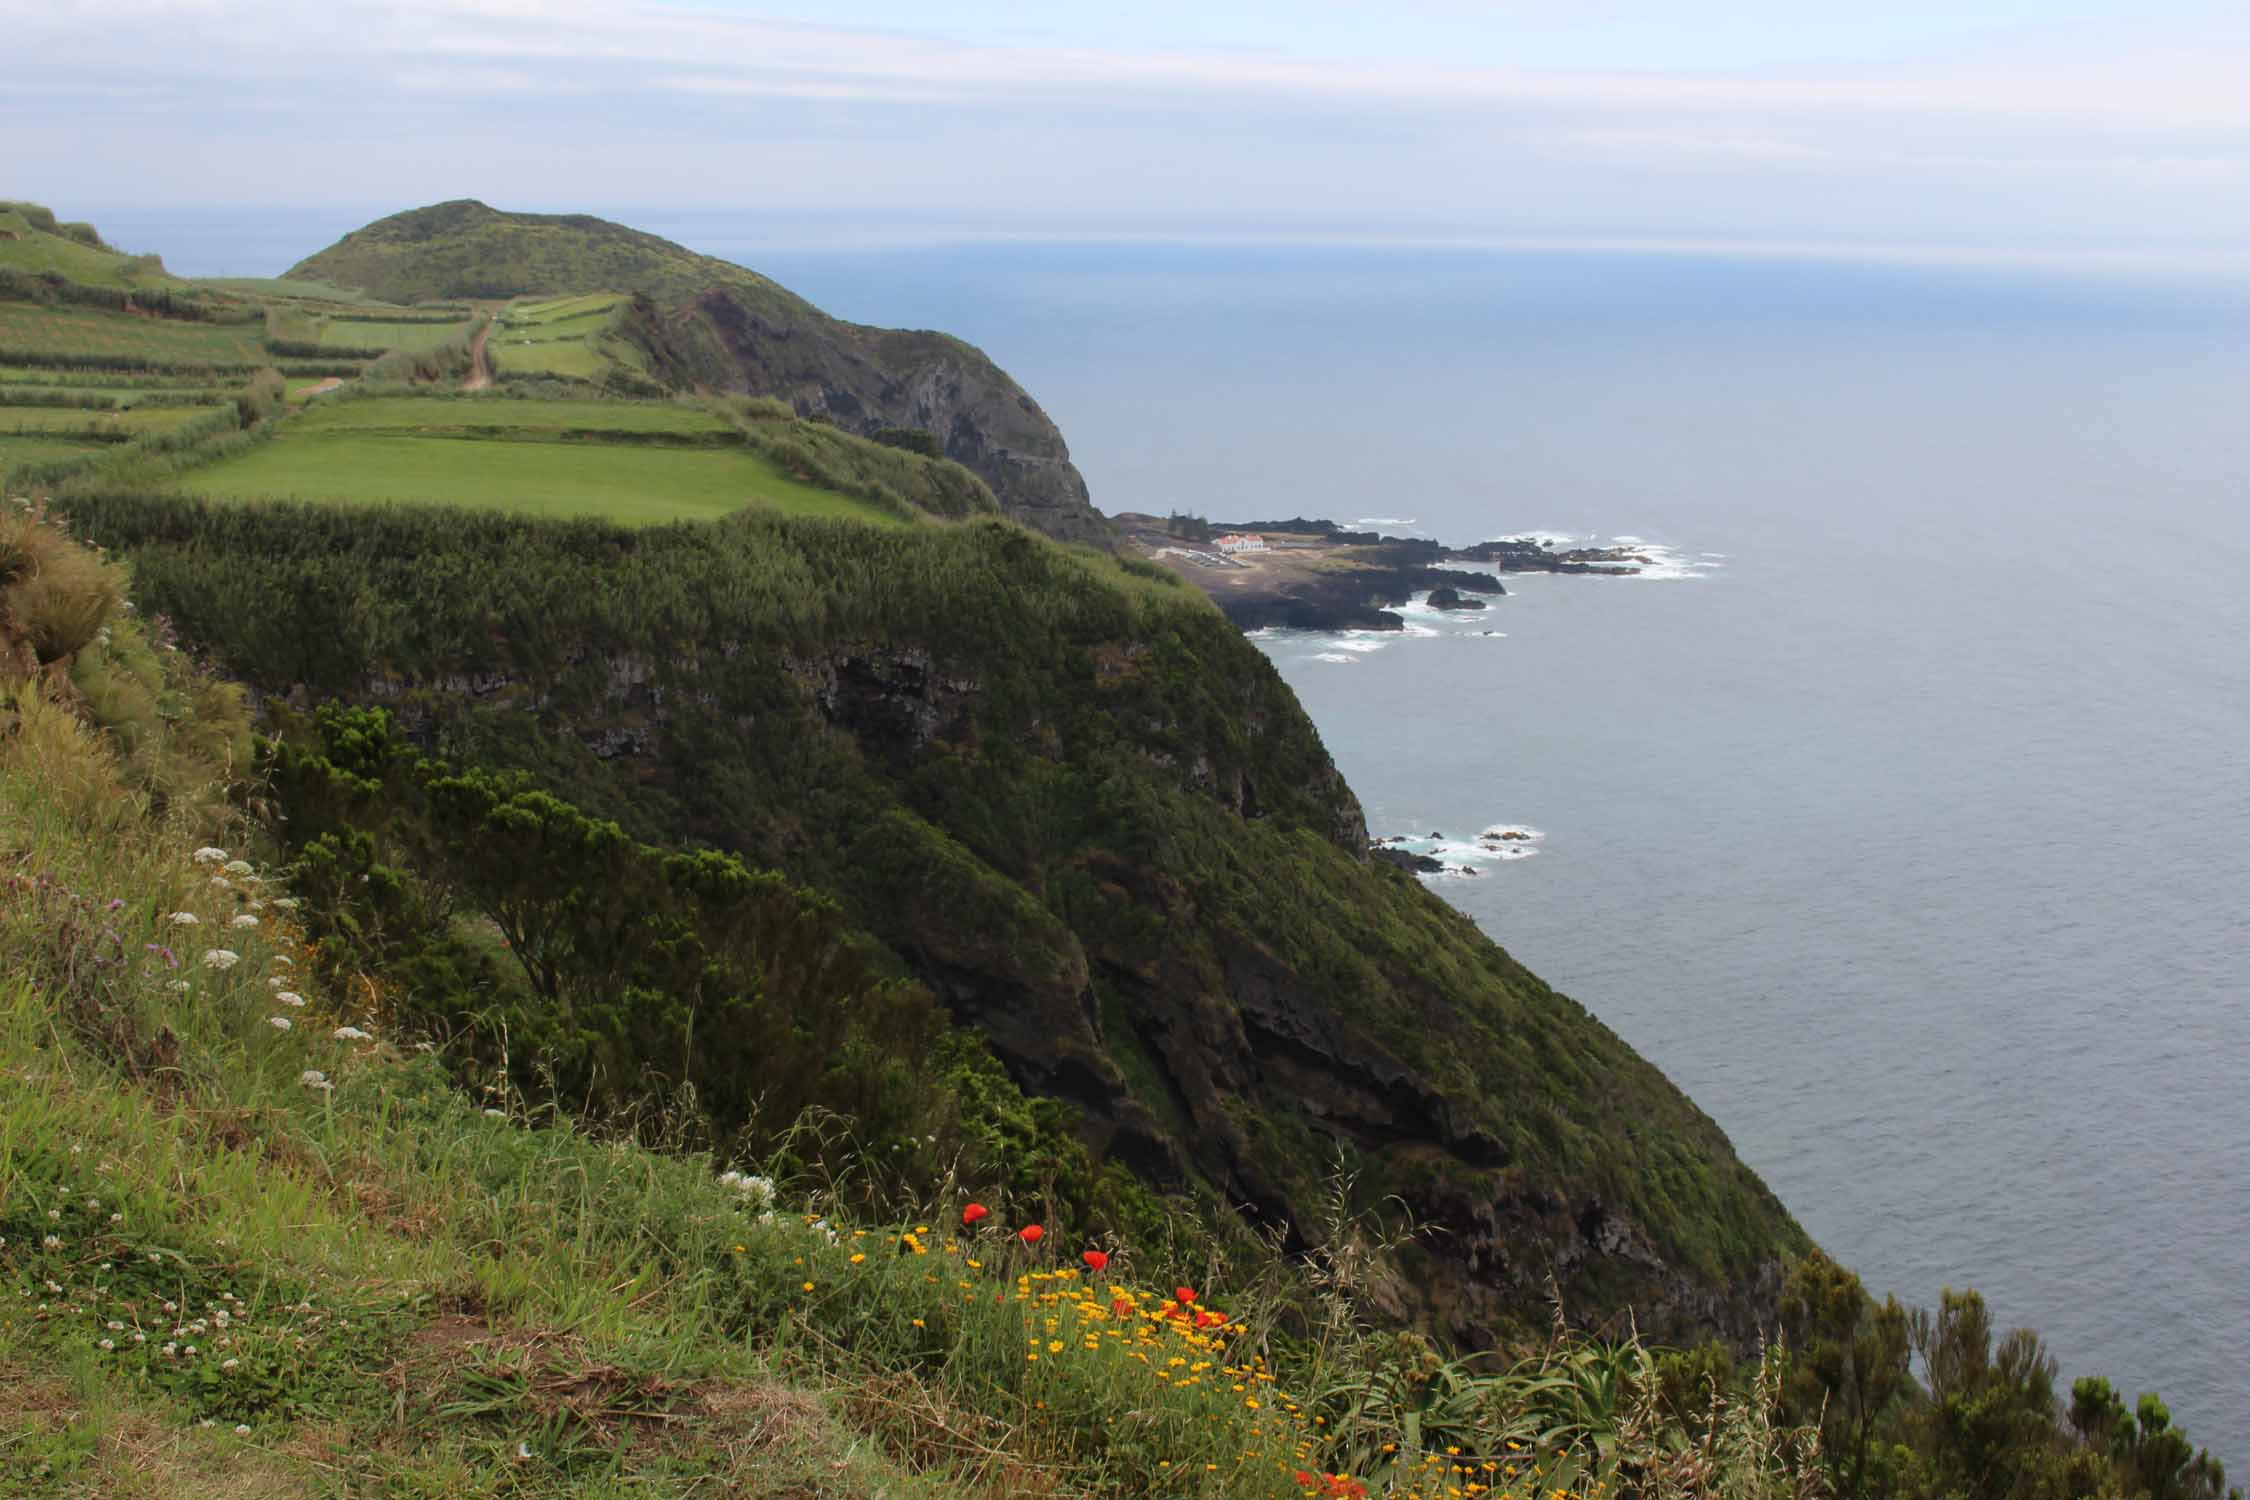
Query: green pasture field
{"x":634,"y":486}
{"x":125,"y":396}
{"x":589,"y":306}
{"x":31,"y":327}
{"x":359,"y":334}
{"x":137,"y":420}
{"x":573,"y":359}
{"x":38,"y":450}
{"x":415,"y":414}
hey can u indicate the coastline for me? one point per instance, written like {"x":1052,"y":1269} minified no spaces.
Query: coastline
{"x":1305,"y":574}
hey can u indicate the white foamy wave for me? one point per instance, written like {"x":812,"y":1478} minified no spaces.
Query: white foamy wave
{"x":1464,"y":857}
{"x":1553,"y":541}
{"x":1386,"y":521}
{"x":1333,"y":656}
{"x":1362,"y":644}
{"x":1664,"y":562}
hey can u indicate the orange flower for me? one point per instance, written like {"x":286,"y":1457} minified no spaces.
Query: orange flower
{"x":972,"y":1213}
{"x":1030,"y":1234}
{"x":1095,"y":1260}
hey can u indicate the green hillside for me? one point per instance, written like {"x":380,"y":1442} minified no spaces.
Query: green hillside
{"x":464,"y":249}
{"x":692,"y":323}
{"x":34,"y":242}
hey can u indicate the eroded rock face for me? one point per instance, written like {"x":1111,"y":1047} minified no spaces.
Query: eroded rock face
{"x":866,"y":380}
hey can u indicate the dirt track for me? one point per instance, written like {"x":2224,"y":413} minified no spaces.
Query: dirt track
{"x":480,"y":368}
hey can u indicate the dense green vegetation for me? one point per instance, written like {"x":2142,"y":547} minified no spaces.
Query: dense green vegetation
{"x":464,"y":249}
{"x":1019,"y":769}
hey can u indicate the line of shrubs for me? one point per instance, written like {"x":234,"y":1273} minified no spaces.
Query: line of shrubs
{"x":50,"y":289}
{"x":314,"y":349}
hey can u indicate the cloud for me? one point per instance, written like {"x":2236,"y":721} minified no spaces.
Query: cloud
{"x":2089,"y":134}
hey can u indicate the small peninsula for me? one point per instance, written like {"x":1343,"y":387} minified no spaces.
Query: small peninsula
{"x":1303,"y":574}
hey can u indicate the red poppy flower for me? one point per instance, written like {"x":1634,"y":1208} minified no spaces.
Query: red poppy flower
{"x":1121,"y":1307}
{"x":1095,"y":1260}
{"x":972,"y":1213}
{"x":1184,"y":1294}
{"x":1303,"y":1477}
{"x":1030,"y":1234}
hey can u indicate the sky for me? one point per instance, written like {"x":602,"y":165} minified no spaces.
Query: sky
{"x":2060,"y":126}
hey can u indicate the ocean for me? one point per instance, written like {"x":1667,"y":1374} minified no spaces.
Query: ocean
{"x":1903,"y":817}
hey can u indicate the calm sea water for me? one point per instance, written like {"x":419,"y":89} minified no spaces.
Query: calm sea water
{"x":1909,"y":830}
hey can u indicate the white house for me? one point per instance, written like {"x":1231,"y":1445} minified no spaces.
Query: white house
{"x":1243,"y":541}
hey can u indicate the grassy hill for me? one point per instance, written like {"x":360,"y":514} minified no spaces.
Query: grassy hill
{"x":691,"y":322}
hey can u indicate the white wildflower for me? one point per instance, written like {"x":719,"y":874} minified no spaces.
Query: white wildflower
{"x":239,"y":867}
{"x":230,"y":1364}
{"x":116,"y":1218}
{"x":351,"y":1034}
{"x":244,"y":921}
{"x":210,"y":856}
{"x":221,"y":959}
{"x":108,"y":1344}
{"x":115,"y":1326}
{"x":52,"y":1242}
{"x":184,"y":919}
{"x":313,"y":1078}
{"x":496,"y":1114}
{"x":242,"y":1429}
{"x":171,"y":1351}
{"x":288,"y":997}
{"x":179,"y":986}
{"x":279,"y":1023}
{"x":286,"y":903}
{"x":140,"y":1338}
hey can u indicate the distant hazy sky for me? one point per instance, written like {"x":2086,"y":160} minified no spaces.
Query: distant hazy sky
{"x":2045,"y":124}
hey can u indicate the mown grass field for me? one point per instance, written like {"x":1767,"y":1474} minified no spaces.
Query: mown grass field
{"x":356,"y":333}
{"x":29,"y":329}
{"x":558,"y":336}
{"x":63,"y":419}
{"x":16,"y":450}
{"x":635,"y":485}
{"x":412,"y":414}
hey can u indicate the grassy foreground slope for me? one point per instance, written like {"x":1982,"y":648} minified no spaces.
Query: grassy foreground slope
{"x":254,"y":1241}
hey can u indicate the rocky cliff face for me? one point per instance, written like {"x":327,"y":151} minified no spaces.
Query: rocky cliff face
{"x":867,"y":380}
